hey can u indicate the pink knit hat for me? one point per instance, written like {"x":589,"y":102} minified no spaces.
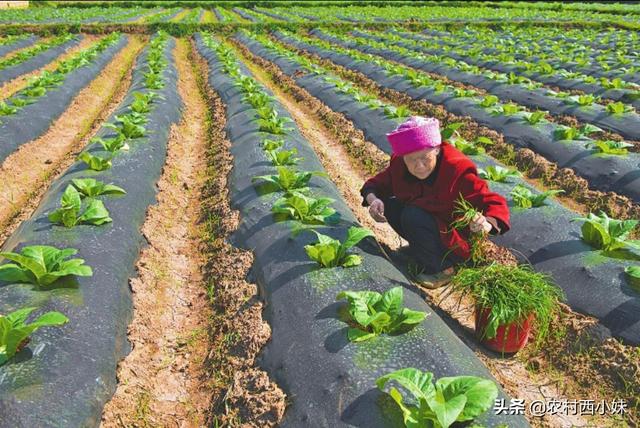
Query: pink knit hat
{"x":415,"y":134}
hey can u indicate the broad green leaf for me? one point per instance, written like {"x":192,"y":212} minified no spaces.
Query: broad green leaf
{"x":480,"y":394}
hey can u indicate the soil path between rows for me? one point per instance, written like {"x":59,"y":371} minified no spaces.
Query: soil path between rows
{"x":161,"y":380}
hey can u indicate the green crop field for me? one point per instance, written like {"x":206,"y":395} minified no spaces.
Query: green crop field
{"x":187,"y":238}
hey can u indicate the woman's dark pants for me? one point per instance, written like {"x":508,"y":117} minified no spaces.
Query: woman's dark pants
{"x":420,"y":229}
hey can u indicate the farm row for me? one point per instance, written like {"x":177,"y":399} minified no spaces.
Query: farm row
{"x":345,"y":320}
{"x":144,"y":12}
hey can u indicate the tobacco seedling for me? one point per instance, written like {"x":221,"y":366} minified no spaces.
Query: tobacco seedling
{"x":41,"y":265}
{"x":71,"y":213}
{"x":289,"y":179}
{"x":533,"y":118}
{"x":525,"y":198}
{"x":283,"y":157}
{"x":15,"y":332}
{"x":274,"y":124}
{"x":96,"y":163}
{"x":497,"y":173}
{"x":508,"y":109}
{"x":306,"y":209}
{"x":112,"y":144}
{"x":268,"y":145}
{"x":488,"y":101}
{"x":142,"y":103}
{"x":618,"y":108}
{"x":128,"y":129}
{"x":571,"y":133}
{"x":633,"y":276}
{"x":607,"y":234}
{"x":7,"y":110}
{"x":373,"y":313}
{"x":329,"y":252}
{"x":91,"y":187}
{"x":450,"y":400}
{"x":450,"y":130}
{"x":399,"y":112}
{"x":609,"y":147}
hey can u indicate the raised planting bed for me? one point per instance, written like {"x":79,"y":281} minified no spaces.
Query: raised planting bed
{"x":603,"y":172}
{"x":64,"y":377}
{"x":553,"y":79}
{"x":39,"y":59}
{"x":593,"y":280}
{"x":626,"y":124}
{"x":12,"y":43}
{"x":43,"y":106}
{"x":330,"y":381}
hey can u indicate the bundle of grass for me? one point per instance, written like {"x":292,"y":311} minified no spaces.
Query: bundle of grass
{"x":510,"y":301}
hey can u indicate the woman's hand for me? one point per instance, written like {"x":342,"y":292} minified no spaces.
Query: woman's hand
{"x":376,"y":210}
{"x":480,"y":224}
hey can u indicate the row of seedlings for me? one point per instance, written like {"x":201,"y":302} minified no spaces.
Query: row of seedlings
{"x":559,"y":53}
{"x":11,"y":43}
{"x":543,"y":231}
{"x":615,"y":117}
{"x":35,"y":56}
{"x":28,"y":113}
{"x":95,"y":210}
{"x":558,"y":50}
{"x":613,"y":89}
{"x":330,"y":354}
{"x":613,"y":171}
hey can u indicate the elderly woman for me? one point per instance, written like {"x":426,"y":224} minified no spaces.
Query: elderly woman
{"x":416,"y":195}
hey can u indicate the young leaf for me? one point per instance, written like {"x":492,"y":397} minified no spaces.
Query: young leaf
{"x":609,"y":147}
{"x":603,"y":232}
{"x":92,"y":187}
{"x":15,"y":332}
{"x":525,"y":198}
{"x":497,"y":173}
{"x":41,"y":265}
{"x":95,"y":163}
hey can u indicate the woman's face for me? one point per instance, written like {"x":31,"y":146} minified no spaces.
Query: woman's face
{"x":421,"y":163}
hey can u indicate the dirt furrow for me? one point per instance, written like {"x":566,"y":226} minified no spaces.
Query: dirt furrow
{"x":160,"y":381}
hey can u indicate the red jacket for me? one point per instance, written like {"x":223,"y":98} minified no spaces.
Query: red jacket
{"x":455,"y":174}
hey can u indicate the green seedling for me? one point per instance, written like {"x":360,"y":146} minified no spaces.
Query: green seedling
{"x":268,"y":145}
{"x":258,"y":99}
{"x":608,"y":234}
{"x":35,"y":92}
{"x":153,"y":80}
{"x":112,"y":144}
{"x":497,"y":173}
{"x":467,"y":147}
{"x":534,"y":118}
{"x":71,"y":214}
{"x":488,"y":101}
{"x":450,"y":400}
{"x":41,"y":265}
{"x":288,"y":179}
{"x":609,"y":147}
{"x":15,"y":332}
{"x":96,"y":163}
{"x":306,"y":209}
{"x":582,"y":100}
{"x":128,"y":129}
{"x":373,"y":313}
{"x":450,"y":130}
{"x":525,"y":198}
{"x":464,"y":93}
{"x":7,"y":110}
{"x":91,"y":187}
{"x":399,"y":112}
{"x":274,"y":124}
{"x":19,"y":102}
{"x":633,"y":276}
{"x":508,"y":109}
{"x":329,"y":252}
{"x":141,"y":104}
{"x":283,"y":157}
{"x":618,"y":108}
{"x":570,"y":133}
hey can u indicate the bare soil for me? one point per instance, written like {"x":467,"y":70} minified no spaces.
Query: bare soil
{"x":25,"y":174}
{"x":162,"y":381}
{"x":556,"y":372}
